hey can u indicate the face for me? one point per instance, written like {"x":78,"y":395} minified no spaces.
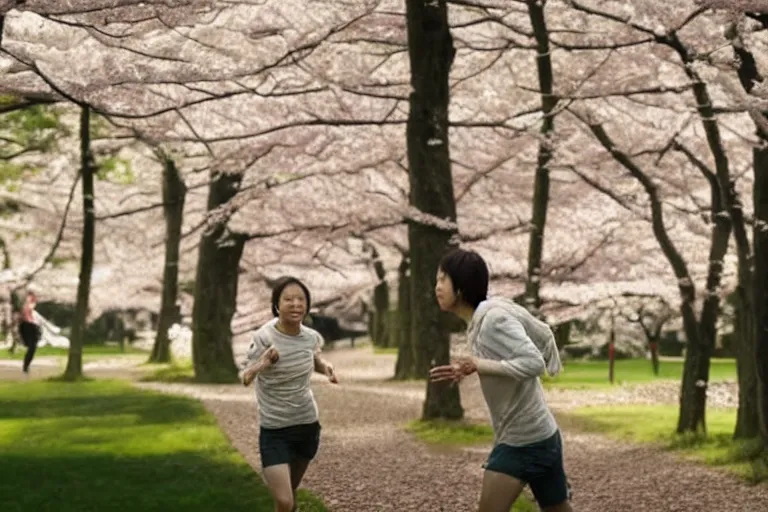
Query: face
{"x":292,"y":306}
{"x":446,"y":296}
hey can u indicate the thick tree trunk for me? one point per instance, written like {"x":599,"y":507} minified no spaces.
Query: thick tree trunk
{"x":431,"y":53}
{"x":760,"y":286}
{"x":721,"y":233}
{"x":216,"y":291}
{"x":693,"y":395}
{"x":215,"y":304}
{"x":379,"y":328}
{"x":732,"y":204}
{"x":174,"y":192}
{"x":381,"y":315}
{"x":752,"y":354}
{"x":747,"y":423}
{"x":74,"y":369}
{"x":405,"y":367}
{"x":541,"y":183}
{"x":563,"y":334}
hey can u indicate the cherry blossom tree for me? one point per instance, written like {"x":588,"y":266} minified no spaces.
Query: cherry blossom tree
{"x":174,"y":193}
{"x":299,"y":128}
{"x":747,"y":23}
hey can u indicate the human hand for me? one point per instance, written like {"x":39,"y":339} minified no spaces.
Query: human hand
{"x":331,"y":374}
{"x":271,"y":355}
{"x":467,"y":365}
{"x":248,"y":374}
{"x":454,"y":372}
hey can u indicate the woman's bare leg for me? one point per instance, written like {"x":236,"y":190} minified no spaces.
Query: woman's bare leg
{"x":499,"y":492}
{"x":278,"y":480}
{"x":298,"y":468}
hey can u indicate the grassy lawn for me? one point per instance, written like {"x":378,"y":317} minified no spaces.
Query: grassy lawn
{"x":385,"y":350}
{"x":581,"y":374}
{"x":657,"y":423}
{"x":104,"y":446}
{"x":594,"y":374}
{"x":178,"y":371}
{"x":451,"y":433}
{"x":90,"y":352}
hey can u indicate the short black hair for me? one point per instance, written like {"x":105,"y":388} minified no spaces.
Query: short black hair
{"x":469,"y":274}
{"x":277,"y":291}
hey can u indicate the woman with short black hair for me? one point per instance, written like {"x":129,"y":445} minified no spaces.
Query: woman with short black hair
{"x":510,"y":349}
{"x":281,"y":357}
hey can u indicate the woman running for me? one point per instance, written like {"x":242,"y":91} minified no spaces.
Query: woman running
{"x":29,"y":329}
{"x":509,"y":349}
{"x":281,"y":358}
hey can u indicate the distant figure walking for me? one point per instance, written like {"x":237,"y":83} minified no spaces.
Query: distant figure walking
{"x":282,"y":357}
{"x":29,"y":330}
{"x":510,"y":349}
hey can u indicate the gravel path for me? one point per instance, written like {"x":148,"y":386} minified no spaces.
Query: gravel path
{"x":367,"y":463}
{"x":120,"y":367}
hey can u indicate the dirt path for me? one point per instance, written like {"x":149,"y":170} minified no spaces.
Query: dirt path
{"x":367,"y":463}
{"x":120,"y":367}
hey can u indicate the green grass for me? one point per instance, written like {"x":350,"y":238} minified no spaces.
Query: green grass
{"x":385,"y":350}
{"x":451,"y":433}
{"x":104,"y":446}
{"x":581,"y":374}
{"x":90,"y":352}
{"x":178,"y":371}
{"x":458,"y":434}
{"x":594,"y":374}
{"x":657,"y":423}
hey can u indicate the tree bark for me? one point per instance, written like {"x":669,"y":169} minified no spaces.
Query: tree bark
{"x":751,"y":352}
{"x":760,"y":285}
{"x":732,"y":204}
{"x":721,"y":233}
{"x":74,"y":369}
{"x":653,"y":346}
{"x":747,"y":419}
{"x":431,"y":53}
{"x":380,"y":304}
{"x":541,"y":183}
{"x":6,"y":254}
{"x":174,"y":193}
{"x":405,"y":367}
{"x":216,"y":291}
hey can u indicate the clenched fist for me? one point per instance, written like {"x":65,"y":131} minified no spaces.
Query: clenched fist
{"x":269,"y":357}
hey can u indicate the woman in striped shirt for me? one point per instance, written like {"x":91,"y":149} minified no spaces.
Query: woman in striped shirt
{"x":282,"y":356}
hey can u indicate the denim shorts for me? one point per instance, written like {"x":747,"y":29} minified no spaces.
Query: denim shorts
{"x":540,"y":465}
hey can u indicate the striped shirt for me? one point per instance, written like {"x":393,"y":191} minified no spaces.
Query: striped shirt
{"x":282,"y":390}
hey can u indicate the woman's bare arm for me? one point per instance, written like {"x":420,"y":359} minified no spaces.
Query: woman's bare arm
{"x":326,"y":368}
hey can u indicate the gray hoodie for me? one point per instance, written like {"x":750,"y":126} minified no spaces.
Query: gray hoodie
{"x":513,"y":349}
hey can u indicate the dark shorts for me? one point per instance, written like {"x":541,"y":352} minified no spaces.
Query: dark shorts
{"x":540,"y":465}
{"x":284,"y":445}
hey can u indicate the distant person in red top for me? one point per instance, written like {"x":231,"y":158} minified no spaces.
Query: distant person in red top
{"x":29,"y":329}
